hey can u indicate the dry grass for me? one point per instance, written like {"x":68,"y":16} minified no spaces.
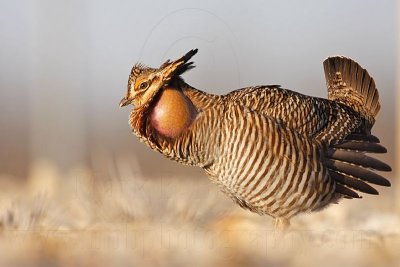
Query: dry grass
{"x":115,"y":217}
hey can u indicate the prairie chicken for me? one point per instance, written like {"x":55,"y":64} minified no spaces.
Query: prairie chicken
{"x":272,"y":150}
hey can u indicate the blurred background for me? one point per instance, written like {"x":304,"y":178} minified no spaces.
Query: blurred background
{"x":64,"y":67}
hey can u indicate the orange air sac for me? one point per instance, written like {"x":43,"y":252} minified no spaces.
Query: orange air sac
{"x":172,"y":113}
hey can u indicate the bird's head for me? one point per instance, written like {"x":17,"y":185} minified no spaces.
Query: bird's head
{"x":144,"y":83}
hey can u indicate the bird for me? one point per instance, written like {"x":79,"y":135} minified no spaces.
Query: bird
{"x":272,"y":150}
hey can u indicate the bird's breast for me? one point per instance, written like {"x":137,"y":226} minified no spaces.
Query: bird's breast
{"x":172,"y":113}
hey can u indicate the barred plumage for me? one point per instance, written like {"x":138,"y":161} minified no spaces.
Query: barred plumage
{"x":272,"y":150}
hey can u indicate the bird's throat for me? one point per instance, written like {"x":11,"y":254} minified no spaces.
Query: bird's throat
{"x":172,"y":113}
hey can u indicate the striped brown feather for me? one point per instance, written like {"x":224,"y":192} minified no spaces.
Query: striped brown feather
{"x":350,"y":84}
{"x":272,"y":150}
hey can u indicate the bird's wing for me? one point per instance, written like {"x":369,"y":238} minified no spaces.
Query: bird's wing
{"x":315,"y":117}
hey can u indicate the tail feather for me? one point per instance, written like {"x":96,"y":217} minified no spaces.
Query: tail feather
{"x":346,"y":192}
{"x":362,"y":146}
{"x":363,"y":137}
{"x":348,"y":165}
{"x":351,"y":85}
{"x":359,"y":159}
{"x":353,"y":183}
{"x":357,"y":172}
{"x":352,"y":169}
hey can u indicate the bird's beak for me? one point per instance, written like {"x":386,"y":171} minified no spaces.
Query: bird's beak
{"x":124,"y":101}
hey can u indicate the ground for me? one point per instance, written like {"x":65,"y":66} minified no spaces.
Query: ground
{"x":119,"y":217}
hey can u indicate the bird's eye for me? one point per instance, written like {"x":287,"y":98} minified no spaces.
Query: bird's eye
{"x":143,"y":85}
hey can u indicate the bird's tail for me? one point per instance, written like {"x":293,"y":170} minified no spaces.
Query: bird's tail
{"x":352,"y":169}
{"x":350,"y":84}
